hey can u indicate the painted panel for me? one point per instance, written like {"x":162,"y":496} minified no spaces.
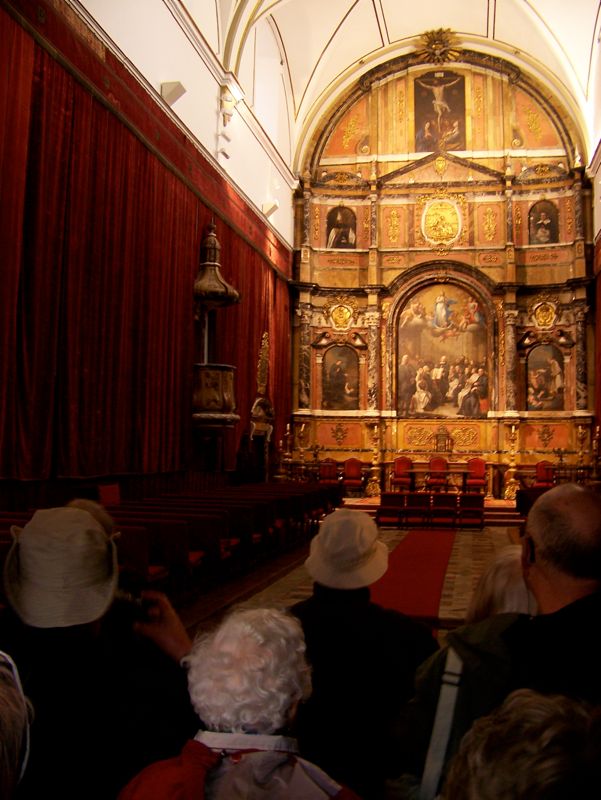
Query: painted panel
{"x":439,"y":111}
{"x":340,"y":379}
{"x":442,"y":354}
{"x":545,"y":379}
{"x":351,"y":135}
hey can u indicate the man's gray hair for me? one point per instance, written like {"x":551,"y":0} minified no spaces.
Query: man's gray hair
{"x":246,"y":676}
{"x":565,"y":524}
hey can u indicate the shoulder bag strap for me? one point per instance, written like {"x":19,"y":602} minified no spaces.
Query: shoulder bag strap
{"x":442,"y":726}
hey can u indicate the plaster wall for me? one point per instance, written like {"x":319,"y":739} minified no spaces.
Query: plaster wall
{"x":162,"y":47}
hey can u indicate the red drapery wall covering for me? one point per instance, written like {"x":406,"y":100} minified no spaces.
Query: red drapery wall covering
{"x":100,"y":244}
{"x":597,"y":382}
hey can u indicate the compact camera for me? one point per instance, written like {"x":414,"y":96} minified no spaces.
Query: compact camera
{"x":137,"y":606}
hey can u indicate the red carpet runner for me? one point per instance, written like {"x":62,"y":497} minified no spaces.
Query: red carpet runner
{"x":416,"y":570}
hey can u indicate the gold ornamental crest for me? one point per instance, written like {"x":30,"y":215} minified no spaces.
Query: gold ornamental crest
{"x":544,"y":315}
{"x":341,"y":310}
{"x":543,"y":310}
{"x":341,"y":316}
{"x":441,"y":222}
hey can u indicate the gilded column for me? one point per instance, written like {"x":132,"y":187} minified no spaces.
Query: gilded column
{"x":581,"y":372}
{"x":372,"y":319}
{"x":373,"y":221}
{"x":306,"y":209}
{"x":509,"y":214}
{"x":579,"y":269}
{"x":578,"y":213}
{"x":510,"y":360}
{"x":304,"y":357}
{"x":509,"y":240}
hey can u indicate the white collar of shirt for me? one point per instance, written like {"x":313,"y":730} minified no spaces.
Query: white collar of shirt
{"x":217,"y":740}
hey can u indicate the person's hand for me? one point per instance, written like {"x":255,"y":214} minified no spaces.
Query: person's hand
{"x":163,"y":626}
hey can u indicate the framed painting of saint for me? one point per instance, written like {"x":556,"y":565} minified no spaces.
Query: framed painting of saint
{"x":340,"y":379}
{"x":543,"y":225}
{"x":545,"y":379}
{"x":341,"y":228}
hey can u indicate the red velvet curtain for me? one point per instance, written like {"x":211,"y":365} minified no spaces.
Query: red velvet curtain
{"x":16,"y":75}
{"x":101,"y":242}
{"x":127,"y":332}
{"x":597,"y":381}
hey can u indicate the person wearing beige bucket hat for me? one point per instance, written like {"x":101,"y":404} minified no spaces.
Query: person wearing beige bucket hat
{"x":61,"y":570}
{"x":108,"y":697}
{"x":363,"y":656}
{"x":347,"y":553}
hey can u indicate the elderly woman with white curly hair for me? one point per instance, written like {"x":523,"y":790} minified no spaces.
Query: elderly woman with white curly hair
{"x":246,"y":680}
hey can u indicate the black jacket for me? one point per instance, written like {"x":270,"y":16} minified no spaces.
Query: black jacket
{"x":364,"y":659}
{"x":557,"y":653}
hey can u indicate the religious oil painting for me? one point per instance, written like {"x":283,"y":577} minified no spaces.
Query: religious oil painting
{"x":443,"y":368}
{"x":340,"y":379}
{"x":439,"y":111}
{"x":543,"y":225}
{"x":545,"y":375}
{"x":341,"y":228}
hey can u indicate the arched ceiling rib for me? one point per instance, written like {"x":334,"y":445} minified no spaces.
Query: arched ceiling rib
{"x":328,"y":44}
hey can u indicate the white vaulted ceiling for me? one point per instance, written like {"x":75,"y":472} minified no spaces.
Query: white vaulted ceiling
{"x":314,"y":49}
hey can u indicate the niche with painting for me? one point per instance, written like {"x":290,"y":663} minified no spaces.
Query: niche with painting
{"x":341,"y":228}
{"x":442,"y":346}
{"x":543,"y":227}
{"x":340,"y":379}
{"x":544,"y":368}
{"x":439,"y":111}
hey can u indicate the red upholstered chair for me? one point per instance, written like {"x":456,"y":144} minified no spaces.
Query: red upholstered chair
{"x":390,"y":511}
{"x":416,"y":512}
{"x":444,"y":509}
{"x":438,"y":474}
{"x":352,"y":476}
{"x":544,"y":475}
{"x":471,"y":511}
{"x":401,"y":475}
{"x":109,"y":494}
{"x":328,"y":472}
{"x":475,"y":480}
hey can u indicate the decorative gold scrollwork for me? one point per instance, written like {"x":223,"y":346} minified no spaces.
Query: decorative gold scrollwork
{"x":417,"y":436}
{"x":339,"y":433}
{"x":546,"y":435}
{"x":466,"y":436}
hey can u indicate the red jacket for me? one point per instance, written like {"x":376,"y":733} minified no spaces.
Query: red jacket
{"x":183,"y":777}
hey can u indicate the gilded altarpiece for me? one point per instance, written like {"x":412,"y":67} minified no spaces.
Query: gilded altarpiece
{"x":442,"y":273}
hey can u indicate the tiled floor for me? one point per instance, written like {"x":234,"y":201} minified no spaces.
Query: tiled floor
{"x":289,"y":581}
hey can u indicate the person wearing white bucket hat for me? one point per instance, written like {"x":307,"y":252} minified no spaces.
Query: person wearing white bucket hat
{"x":363,"y":656}
{"x":106,"y":700}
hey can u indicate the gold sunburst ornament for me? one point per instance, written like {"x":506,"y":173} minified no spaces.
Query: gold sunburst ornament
{"x":439,"y":46}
